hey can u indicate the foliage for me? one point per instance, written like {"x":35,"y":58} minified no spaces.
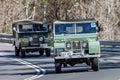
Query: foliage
{"x":107,"y":12}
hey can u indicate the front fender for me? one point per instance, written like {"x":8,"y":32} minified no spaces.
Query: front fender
{"x":24,"y":42}
{"x":94,"y":47}
{"x":59,"y":45}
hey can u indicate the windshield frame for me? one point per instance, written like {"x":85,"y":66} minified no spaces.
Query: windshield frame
{"x":92,"y":28}
{"x":34,"y":28}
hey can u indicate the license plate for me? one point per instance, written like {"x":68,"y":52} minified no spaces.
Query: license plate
{"x":66,"y":54}
{"x":43,"y":45}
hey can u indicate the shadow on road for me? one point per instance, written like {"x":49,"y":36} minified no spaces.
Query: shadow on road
{"x":111,"y":61}
{"x":106,"y":66}
{"x":47,"y":63}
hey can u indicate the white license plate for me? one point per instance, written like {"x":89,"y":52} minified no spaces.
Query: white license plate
{"x":66,"y":54}
{"x":43,"y":45}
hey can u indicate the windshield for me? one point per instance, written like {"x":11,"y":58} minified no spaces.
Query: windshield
{"x":31,"y":27}
{"x":39,"y":27}
{"x":77,"y":28}
{"x":25,"y":27}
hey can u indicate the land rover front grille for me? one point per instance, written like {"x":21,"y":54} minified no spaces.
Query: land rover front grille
{"x":76,"y":45}
{"x":73,"y":45}
{"x":35,"y":40}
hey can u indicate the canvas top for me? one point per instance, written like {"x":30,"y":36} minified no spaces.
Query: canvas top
{"x":74,"y":21}
{"x":27,"y":21}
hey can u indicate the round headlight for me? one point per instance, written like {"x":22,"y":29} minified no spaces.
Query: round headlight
{"x":84,"y":44}
{"x":30,"y":39}
{"x":68,"y":45}
{"x":41,"y":39}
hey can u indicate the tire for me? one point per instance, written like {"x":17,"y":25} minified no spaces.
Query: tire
{"x":57,"y":67}
{"x":47,"y":51}
{"x":23,"y":54}
{"x":41,"y":52}
{"x":17,"y":52}
{"x":95,"y":64}
{"x":88,"y":62}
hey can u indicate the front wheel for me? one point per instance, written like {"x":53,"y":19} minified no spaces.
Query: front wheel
{"x":58,"y":67}
{"x":41,"y":52}
{"x":23,"y":55}
{"x":17,"y":51}
{"x":47,"y":51}
{"x":95,"y":64}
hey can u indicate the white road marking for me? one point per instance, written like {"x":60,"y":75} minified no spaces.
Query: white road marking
{"x":40,"y":71}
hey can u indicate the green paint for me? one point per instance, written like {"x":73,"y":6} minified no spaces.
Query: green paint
{"x":24,"y":42}
{"x":94,"y":47}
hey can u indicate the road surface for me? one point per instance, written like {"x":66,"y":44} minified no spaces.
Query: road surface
{"x":34,"y":67}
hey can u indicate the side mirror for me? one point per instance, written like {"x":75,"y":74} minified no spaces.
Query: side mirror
{"x":99,"y":29}
{"x":14,"y":32}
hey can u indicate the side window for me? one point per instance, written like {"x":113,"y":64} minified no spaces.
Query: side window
{"x":20,"y":28}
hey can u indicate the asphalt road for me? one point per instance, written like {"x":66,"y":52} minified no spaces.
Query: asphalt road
{"x":34,"y":67}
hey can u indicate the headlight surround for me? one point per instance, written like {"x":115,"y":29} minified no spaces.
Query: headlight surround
{"x":30,"y":39}
{"x":68,"y":45}
{"x":41,"y":39}
{"x":84,"y":44}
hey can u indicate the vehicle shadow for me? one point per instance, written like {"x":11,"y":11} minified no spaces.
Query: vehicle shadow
{"x":108,"y":63}
{"x":68,"y":70}
{"x":106,"y":66}
{"x":47,"y":63}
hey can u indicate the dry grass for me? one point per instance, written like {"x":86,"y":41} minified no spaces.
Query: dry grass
{"x":107,"y":12}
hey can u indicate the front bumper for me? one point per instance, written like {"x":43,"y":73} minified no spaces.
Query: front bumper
{"x":76,"y":56}
{"x":40,"y":46}
{"x":34,"y":47}
{"x":37,"y":47}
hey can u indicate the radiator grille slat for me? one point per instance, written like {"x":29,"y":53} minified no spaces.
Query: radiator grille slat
{"x":76,"y":44}
{"x":73,"y":45}
{"x":35,"y":40}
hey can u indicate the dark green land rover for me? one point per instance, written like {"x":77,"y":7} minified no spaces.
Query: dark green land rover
{"x":76,"y":41}
{"x":31,"y":36}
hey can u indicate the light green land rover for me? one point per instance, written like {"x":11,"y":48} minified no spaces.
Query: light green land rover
{"x":76,"y":41}
{"x":31,"y":36}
